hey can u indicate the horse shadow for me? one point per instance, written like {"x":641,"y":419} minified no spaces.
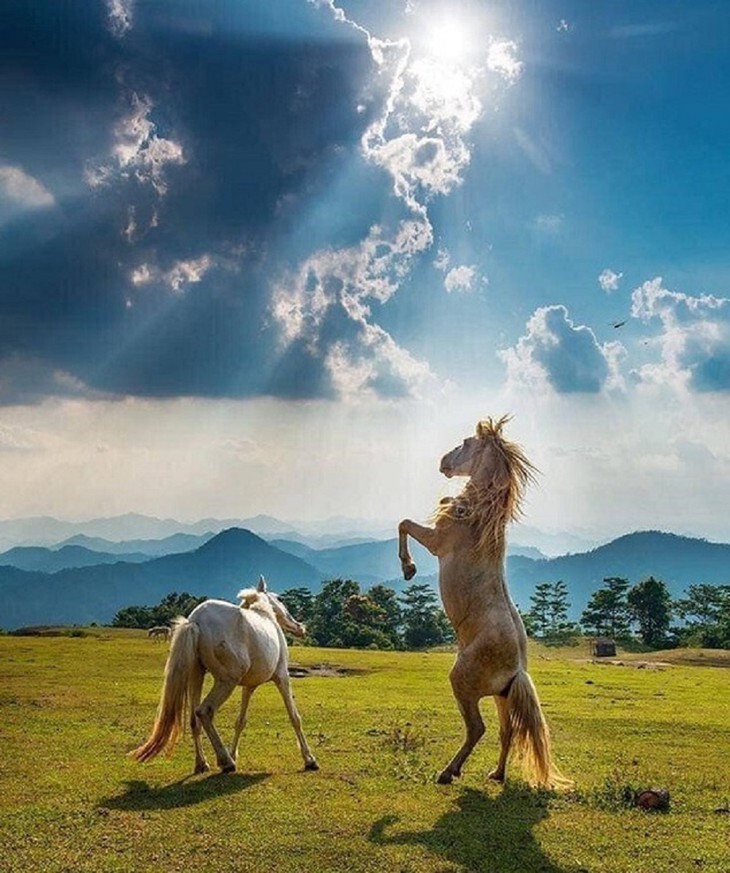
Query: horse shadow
{"x":483,"y":834}
{"x":139,"y":795}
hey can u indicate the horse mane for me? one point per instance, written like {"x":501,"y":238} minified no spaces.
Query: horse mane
{"x":489,"y":509}
{"x":250,"y":598}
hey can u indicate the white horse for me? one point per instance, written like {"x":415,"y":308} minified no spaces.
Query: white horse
{"x":239,"y":645}
{"x":161,"y":630}
{"x":468,"y":538}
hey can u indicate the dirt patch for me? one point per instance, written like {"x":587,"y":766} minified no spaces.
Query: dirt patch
{"x":298,"y":671}
{"x":616,"y":662}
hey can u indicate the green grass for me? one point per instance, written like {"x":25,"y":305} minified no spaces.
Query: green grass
{"x":70,"y":798}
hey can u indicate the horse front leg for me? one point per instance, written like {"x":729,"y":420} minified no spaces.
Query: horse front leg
{"x":426,"y":536}
{"x":246,"y":693}
{"x":282,"y":683}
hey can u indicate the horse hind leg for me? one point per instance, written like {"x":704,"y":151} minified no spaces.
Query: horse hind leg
{"x":196,"y":688}
{"x":469,"y":708}
{"x":505,"y":739}
{"x":217,"y":696}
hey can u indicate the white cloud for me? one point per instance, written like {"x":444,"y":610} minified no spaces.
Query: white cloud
{"x":608,"y":280}
{"x":138,"y":152}
{"x":326,"y":308}
{"x":180,"y":274}
{"x":502,"y":59}
{"x":460,"y":279}
{"x":419,"y":138}
{"x":120,"y":15}
{"x":21,"y":188}
{"x":557,"y":354}
{"x":694,"y":344}
{"x":442,"y":260}
{"x":16,"y":439}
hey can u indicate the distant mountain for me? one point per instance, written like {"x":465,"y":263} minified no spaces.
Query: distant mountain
{"x":47,"y":531}
{"x":549,"y":544}
{"x":234,"y":558}
{"x":372,"y":561}
{"x":171,"y":545}
{"x":220,"y":568}
{"x":678,"y":561}
{"x":367,"y":562}
{"x":37,"y":558}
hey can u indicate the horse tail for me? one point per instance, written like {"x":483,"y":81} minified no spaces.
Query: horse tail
{"x":175,"y":695}
{"x":531,"y":736}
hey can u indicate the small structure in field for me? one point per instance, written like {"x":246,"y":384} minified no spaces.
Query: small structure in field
{"x":652,"y":799}
{"x":603,"y":647}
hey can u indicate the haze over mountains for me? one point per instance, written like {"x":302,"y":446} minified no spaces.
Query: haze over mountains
{"x":87,"y":578}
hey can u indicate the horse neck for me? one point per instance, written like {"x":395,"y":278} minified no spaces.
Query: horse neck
{"x":489,"y":516}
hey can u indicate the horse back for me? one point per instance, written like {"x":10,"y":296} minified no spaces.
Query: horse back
{"x":239,"y":644}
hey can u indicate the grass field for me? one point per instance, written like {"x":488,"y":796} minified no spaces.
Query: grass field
{"x":70,"y":798}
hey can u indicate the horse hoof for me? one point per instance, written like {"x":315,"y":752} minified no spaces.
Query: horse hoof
{"x":201,"y":768}
{"x":495,"y":776}
{"x":409,"y":571}
{"x":445,"y":778}
{"x":311,"y":765}
{"x":228,"y":768}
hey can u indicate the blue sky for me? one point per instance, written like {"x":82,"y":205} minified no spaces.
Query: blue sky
{"x":280,"y":256}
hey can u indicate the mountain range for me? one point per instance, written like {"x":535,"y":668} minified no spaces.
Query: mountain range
{"x":71,"y":583}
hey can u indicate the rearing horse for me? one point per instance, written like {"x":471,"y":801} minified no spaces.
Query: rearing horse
{"x":468,"y":538}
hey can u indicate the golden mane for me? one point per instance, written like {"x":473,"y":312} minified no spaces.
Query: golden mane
{"x":489,"y":510}
{"x":250,"y":598}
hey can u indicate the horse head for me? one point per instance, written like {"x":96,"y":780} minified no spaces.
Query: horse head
{"x":498,"y":468}
{"x":481,"y":456}
{"x":284,"y":618}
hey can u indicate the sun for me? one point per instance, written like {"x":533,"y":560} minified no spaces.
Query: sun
{"x":450,"y":39}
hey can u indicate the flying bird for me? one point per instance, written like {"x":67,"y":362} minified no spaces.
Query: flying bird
{"x":618,"y":323}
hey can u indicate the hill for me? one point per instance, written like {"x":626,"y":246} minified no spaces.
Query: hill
{"x":373,"y":561}
{"x":235,"y":558}
{"x":48,"y":531}
{"x":219,"y":568}
{"x":171,"y":545}
{"x":52,"y":560}
{"x":677,"y":560}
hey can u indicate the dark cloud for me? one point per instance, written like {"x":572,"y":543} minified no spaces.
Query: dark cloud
{"x":258,"y":118}
{"x":572,"y":359}
{"x":566,"y":355}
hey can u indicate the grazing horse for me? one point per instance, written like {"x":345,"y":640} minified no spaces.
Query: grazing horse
{"x":468,"y":538}
{"x":161,"y":630}
{"x":239,"y":645}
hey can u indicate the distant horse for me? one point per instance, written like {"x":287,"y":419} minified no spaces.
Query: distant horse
{"x":239,"y":645}
{"x":161,"y":630}
{"x":469,"y":540}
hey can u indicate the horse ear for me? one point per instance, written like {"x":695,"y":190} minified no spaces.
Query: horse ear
{"x":262,"y":585}
{"x":481,"y":429}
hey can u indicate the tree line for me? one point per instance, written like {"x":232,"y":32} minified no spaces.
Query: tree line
{"x":341,"y":615}
{"x":644,"y":612}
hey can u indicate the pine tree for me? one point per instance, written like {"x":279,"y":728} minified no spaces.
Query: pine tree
{"x":424,"y":622}
{"x":540,"y":612}
{"x":607,"y":611}
{"x":651,"y":608}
